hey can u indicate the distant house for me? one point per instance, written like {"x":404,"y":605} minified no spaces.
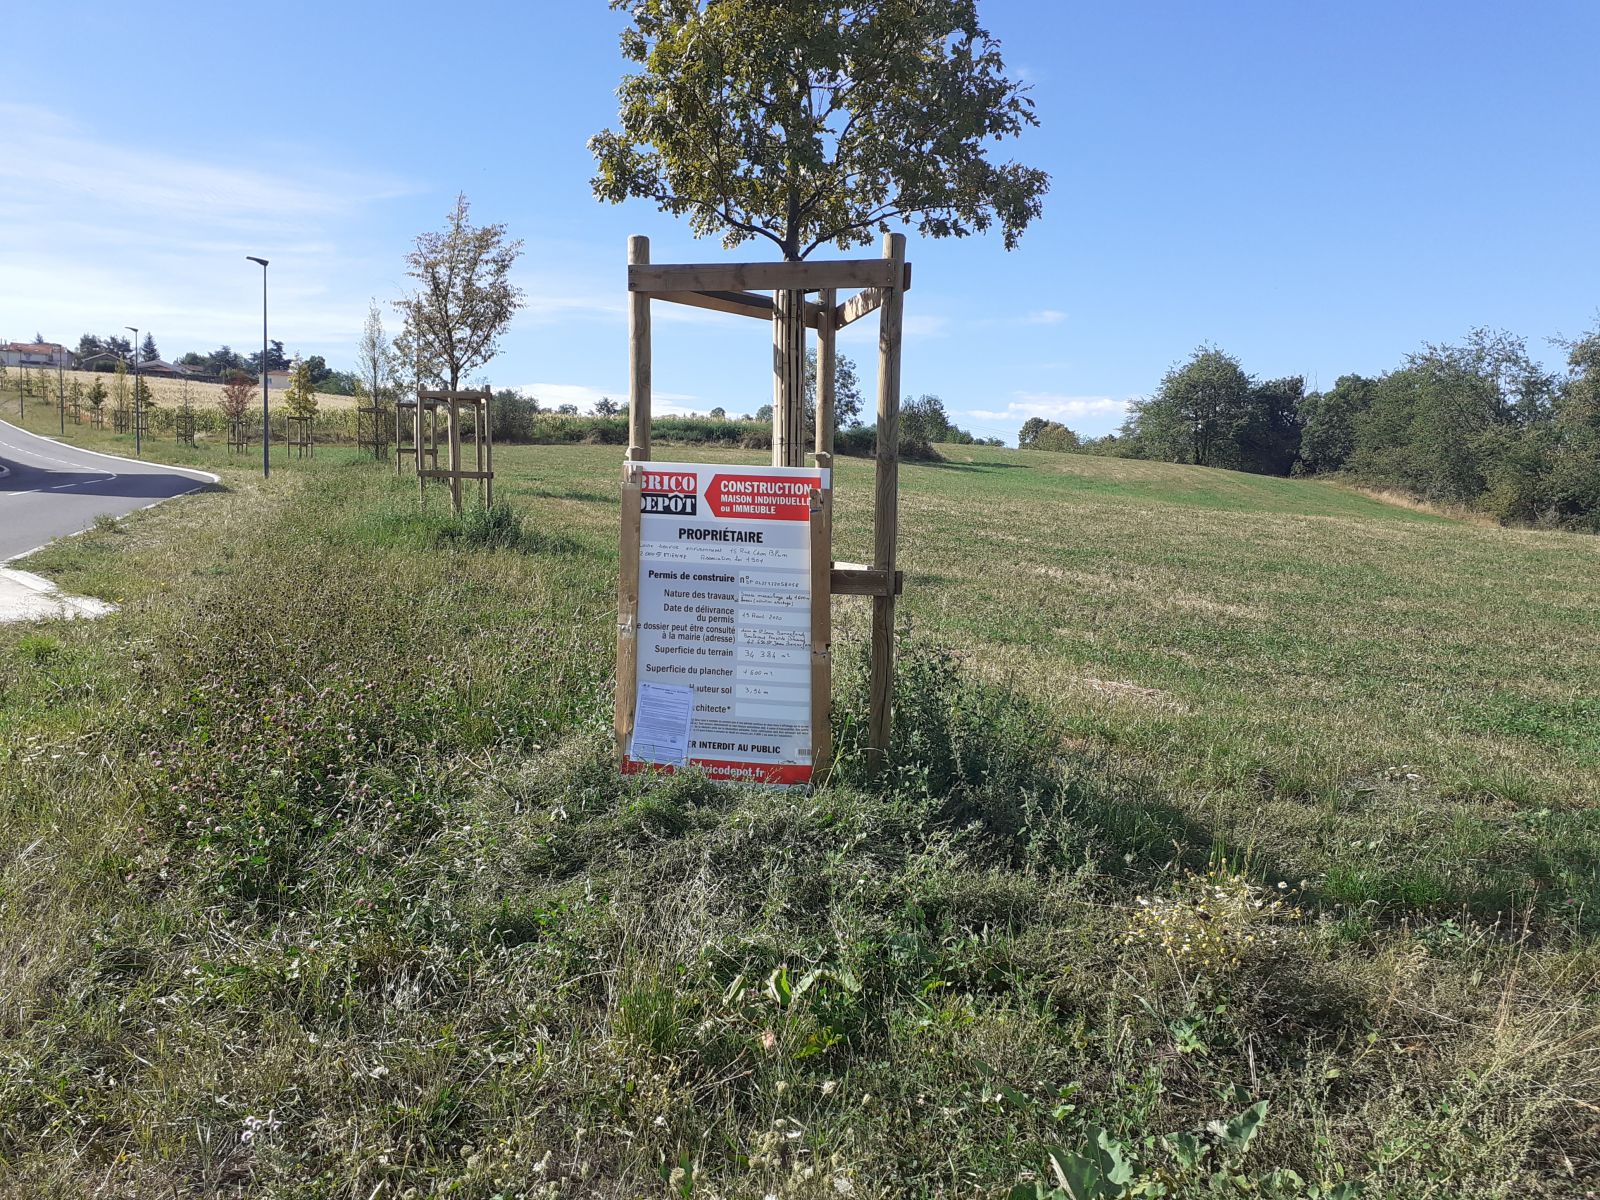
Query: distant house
{"x":33,"y":354}
{"x":162,"y":369}
{"x":278,"y":381}
{"x":105,"y":360}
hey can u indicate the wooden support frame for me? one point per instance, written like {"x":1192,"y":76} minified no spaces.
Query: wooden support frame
{"x":372,"y":430}
{"x":734,"y":288}
{"x":299,"y":435}
{"x":454,"y":405}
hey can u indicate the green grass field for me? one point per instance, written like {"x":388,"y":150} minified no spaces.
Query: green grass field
{"x":1210,"y":789}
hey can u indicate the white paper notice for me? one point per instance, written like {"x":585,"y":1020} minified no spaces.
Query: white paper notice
{"x":662,"y":713}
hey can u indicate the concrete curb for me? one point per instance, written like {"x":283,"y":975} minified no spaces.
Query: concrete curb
{"x":25,"y":596}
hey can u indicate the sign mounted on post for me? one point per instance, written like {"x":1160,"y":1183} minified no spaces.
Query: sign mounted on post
{"x":718,"y":592}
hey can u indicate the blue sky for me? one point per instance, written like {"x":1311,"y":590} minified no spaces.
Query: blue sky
{"x":1315,"y":187}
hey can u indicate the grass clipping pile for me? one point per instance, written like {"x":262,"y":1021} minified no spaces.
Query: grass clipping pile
{"x":333,"y":889}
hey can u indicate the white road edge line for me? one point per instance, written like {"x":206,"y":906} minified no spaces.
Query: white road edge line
{"x":6,"y":562}
{"x":144,"y":462}
{"x":191,"y":471}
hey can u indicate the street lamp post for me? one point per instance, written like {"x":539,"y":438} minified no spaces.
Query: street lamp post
{"x":61,"y":387}
{"x":138,"y":407}
{"x":266,"y":435}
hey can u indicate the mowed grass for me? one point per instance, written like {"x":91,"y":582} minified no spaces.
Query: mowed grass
{"x":317,"y":881}
{"x":1405,"y":706}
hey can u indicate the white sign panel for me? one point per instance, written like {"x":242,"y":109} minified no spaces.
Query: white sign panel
{"x":724,"y":626}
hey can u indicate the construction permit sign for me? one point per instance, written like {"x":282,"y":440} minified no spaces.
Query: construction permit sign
{"x":724,"y":621}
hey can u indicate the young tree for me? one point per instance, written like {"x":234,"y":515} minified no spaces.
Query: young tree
{"x":465,"y":298}
{"x":238,"y":396}
{"x":817,"y":122}
{"x":148,"y":352}
{"x":120,"y":386}
{"x":96,"y":394}
{"x":75,"y":397}
{"x":301,"y":397}
{"x":375,"y":358}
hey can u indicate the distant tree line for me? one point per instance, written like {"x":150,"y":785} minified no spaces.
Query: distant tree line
{"x":1479,"y":424}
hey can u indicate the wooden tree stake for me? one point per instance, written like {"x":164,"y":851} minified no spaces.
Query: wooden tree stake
{"x":885,"y":510}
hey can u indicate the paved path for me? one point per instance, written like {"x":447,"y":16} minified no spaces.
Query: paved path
{"x":48,"y":490}
{"x":53,"y":489}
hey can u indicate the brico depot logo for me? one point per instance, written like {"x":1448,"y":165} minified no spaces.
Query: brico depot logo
{"x":672,"y":493}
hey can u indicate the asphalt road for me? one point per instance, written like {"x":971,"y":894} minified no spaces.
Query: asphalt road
{"x":55,"y":489}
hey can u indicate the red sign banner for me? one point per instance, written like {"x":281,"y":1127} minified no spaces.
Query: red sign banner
{"x":760,"y":497}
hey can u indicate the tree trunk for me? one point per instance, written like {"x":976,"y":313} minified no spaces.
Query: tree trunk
{"x":789,"y":379}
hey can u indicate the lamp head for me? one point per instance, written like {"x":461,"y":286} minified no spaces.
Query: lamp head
{"x":254,"y":259}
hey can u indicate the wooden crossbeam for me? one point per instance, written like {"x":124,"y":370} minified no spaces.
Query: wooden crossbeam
{"x":849,"y":579}
{"x":740,"y":304}
{"x":761,"y":277}
{"x":857,"y":307}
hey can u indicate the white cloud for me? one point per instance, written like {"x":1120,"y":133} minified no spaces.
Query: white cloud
{"x":1054,"y":407}
{"x":96,"y":234}
{"x":1045,"y":316}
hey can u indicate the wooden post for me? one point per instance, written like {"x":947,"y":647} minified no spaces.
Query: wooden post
{"x":422,"y":484}
{"x":825,"y":368}
{"x":788,"y":378}
{"x":453,"y":420}
{"x":885,"y":511}
{"x":822,"y":624}
{"x":628,"y":610}
{"x":487,"y":438}
{"x":638,"y":358}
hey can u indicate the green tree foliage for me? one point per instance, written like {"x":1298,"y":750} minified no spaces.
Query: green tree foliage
{"x":277,"y":360}
{"x":223,"y":361}
{"x":719,"y":414}
{"x":815,"y":122}
{"x":846,"y":393}
{"x":96,"y":396}
{"x":1328,"y":437}
{"x":1040,"y":434}
{"x":465,"y":298}
{"x":512,"y":415}
{"x":1199,"y":407}
{"x":318,"y":370}
{"x":1209,"y":412}
{"x":148,"y":351}
{"x":1572,"y":487}
{"x":301,"y":397}
{"x":606,"y":407}
{"x":1454,"y":419}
